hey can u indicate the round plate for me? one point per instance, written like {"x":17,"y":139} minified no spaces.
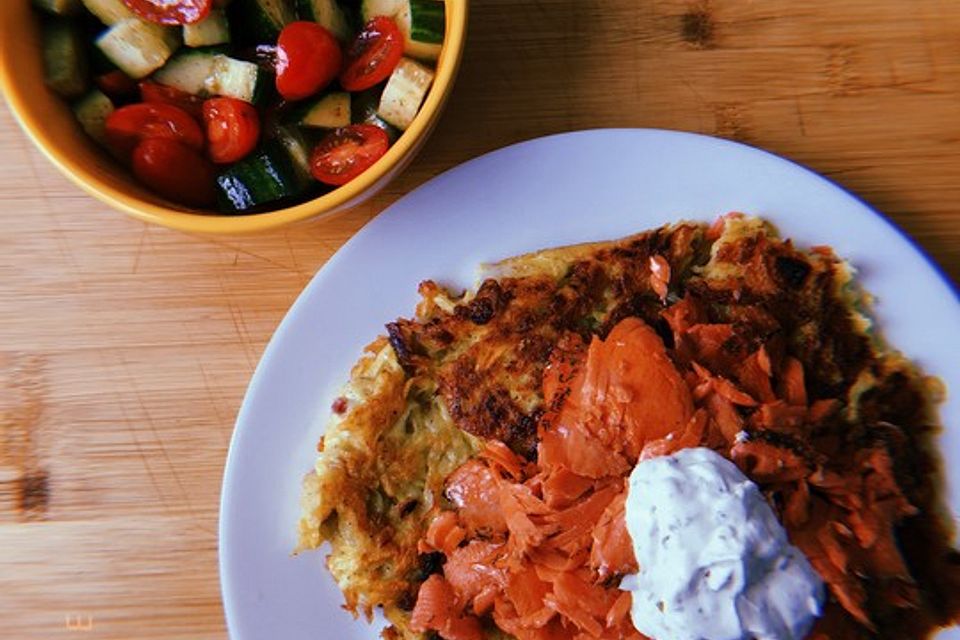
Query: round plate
{"x":570,"y":188}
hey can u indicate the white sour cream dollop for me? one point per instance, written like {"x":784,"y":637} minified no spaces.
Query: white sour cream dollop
{"x":715,"y":563}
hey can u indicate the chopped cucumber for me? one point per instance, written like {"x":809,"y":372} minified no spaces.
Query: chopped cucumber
{"x":328,"y":14}
{"x":421,"y":21}
{"x":92,"y":112}
{"x":293,"y":141}
{"x":65,"y":67}
{"x":139,"y":48}
{"x":236,"y":79}
{"x":221,"y":49}
{"x":329,"y":111}
{"x":99,"y":62}
{"x":363,"y":107}
{"x":262,"y":20}
{"x":188,"y":71}
{"x":109,"y":12}
{"x":212,"y":30}
{"x":427,"y":22}
{"x":404,"y":93}
{"x":265,"y":176}
{"x":364,"y":103}
{"x":59,"y":7}
{"x":373,"y":8}
{"x":205,"y":73}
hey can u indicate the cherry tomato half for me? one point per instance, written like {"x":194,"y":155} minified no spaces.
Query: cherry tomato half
{"x":175,"y":171}
{"x":308,"y":59}
{"x":170,"y":11}
{"x":373,"y":55}
{"x":347,"y":152}
{"x":233,"y":128}
{"x":128,"y":125}
{"x":160,"y":93}
{"x":116,"y":84}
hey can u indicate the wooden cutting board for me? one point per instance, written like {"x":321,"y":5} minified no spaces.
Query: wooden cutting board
{"x":125,"y":349}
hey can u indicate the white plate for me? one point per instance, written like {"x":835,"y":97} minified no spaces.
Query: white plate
{"x":577,"y":187}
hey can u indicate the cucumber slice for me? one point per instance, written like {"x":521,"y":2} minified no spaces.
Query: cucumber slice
{"x":59,"y":7}
{"x":422,"y":23}
{"x":139,"y":48}
{"x":236,"y":79}
{"x":109,"y":12}
{"x":261,"y":20}
{"x":212,"y":30}
{"x":370,"y":9}
{"x":293,"y":141}
{"x":266,"y":175}
{"x":99,"y":62}
{"x":92,"y":112}
{"x":188,"y":71}
{"x":404,"y":93}
{"x":65,"y":66}
{"x":428,"y":21}
{"x":203,"y":72}
{"x":364,"y":110}
{"x":364,"y":103}
{"x":328,"y":112}
{"x":329,"y":15}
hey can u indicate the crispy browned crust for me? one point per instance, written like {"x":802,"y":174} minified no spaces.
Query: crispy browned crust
{"x":379,"y":475}
{"x":488,"y":351}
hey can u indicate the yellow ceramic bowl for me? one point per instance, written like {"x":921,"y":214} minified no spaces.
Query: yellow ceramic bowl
{"x":49,"y":122}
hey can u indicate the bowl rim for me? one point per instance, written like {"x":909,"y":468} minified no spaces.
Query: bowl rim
{"x":334,"y":201}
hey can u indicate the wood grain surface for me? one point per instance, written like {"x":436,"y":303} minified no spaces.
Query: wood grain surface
{"x":125,"y":349}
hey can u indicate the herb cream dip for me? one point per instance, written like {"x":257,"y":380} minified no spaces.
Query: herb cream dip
{"x":715,"y":563}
